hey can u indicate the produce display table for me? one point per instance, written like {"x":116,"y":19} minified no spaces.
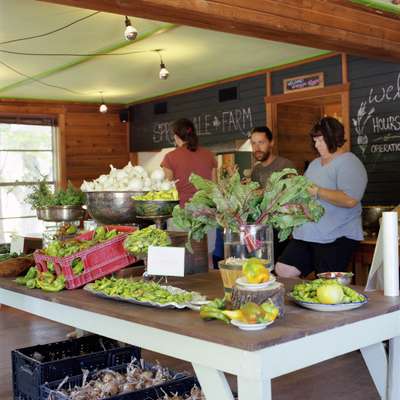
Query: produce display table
{"x":300,"y":339}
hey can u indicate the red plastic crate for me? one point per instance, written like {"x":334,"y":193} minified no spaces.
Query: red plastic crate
{"x":99,"y":260}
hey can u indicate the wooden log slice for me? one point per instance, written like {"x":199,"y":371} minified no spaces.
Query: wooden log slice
{"x":242,"y":296}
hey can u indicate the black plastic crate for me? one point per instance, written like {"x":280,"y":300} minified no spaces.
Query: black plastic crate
{"x":64,"y":358}
{"x":48,"y":392}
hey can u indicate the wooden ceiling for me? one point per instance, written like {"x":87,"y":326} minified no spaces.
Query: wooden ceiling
{"x":326,"y":24}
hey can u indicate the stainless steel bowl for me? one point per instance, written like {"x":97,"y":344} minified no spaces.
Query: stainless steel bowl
{"x":342,"y":277}
{"x":60,"y":213}
{"x":371,"y":216}
{"x":112,"y":207}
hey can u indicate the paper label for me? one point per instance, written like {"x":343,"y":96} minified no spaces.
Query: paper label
{"x":166,"y":261}
{"x":17,"y":244}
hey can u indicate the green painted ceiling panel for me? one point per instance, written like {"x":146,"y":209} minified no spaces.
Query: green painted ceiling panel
{"x":193,"y":56}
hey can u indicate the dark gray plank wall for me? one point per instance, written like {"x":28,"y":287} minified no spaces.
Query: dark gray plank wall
{"x":216,"y":121}
{"x":331,"y":67}
{"x":375,"y":123}
{"x":375,"y":139}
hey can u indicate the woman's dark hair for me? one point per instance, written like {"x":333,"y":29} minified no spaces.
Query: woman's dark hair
{"x":331,"y":130}
{"x":185,"y":130}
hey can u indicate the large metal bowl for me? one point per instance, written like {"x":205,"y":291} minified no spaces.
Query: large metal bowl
{"x":60,"y":213}
{"x":371,"y":216}
{"x":112,"y":207}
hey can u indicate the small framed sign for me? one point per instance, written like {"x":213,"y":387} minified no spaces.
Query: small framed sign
{"x":304,"y":82}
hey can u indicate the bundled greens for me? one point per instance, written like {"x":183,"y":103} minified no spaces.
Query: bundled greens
{"x":42,"y":196}
{"x":284,"y":204}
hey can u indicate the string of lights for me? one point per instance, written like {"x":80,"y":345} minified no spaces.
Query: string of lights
{"x":125,"y":53}
{"x":130,"y":33}
{"x":11,"y":68}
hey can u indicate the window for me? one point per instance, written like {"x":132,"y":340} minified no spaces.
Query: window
{"x":26,"y":156}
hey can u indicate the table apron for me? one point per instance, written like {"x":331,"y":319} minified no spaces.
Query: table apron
{"x":267,"y":363}
{"x":209,"y":354}
{"x":309,"y":350}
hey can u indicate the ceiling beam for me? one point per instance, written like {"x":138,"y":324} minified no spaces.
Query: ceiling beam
{"x":326,"y":24}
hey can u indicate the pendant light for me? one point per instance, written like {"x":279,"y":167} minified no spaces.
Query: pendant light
{"x":130,"y":31}
{"x":103,"y":107}
{"x":164,"y":73}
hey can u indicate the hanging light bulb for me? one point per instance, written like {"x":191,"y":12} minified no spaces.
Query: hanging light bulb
{"x":130,"y":31}
{"x":103,"y":107}
{"x":164,"y":73}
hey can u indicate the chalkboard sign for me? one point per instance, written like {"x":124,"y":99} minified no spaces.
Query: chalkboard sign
{"x":375,"y":123}
{"x":216,"y":121}
{"x":304,"y":82}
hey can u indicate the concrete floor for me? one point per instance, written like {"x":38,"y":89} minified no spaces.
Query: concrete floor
{"x":343,"y":378}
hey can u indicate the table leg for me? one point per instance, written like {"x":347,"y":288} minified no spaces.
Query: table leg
{"x":254,"y":389}
{"x":376,"y":361}
{"x":393,"y":391}
{"x":213,"y":383}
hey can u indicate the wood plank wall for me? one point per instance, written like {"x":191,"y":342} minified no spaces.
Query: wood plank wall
{"x":88,"y":141}
{"x":294,"y":122}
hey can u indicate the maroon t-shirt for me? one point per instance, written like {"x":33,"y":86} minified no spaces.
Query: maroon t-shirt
{"x":183,"y":162}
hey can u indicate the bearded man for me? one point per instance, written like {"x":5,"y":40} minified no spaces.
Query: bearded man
{"x":262,"y":142}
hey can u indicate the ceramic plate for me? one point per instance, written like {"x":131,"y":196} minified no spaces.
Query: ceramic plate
{"x":242,"y":281}
{"x":330,"y":307}
{"x":250,"y":327}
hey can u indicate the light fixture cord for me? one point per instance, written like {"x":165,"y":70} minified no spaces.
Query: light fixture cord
{"x":51,"y":32}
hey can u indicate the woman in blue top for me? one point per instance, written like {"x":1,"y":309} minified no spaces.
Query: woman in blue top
{"x":339,"y":180}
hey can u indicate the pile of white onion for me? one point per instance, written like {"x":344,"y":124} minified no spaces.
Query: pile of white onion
{"x":130,"y":178}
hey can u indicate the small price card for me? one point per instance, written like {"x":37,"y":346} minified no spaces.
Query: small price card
{"x":17,"y":244}
{"x":166,"y":261}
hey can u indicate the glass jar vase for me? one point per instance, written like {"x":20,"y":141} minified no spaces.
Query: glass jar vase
{"x":250,"y":241}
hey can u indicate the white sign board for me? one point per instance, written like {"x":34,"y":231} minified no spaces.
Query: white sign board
{"x":166,"y":261}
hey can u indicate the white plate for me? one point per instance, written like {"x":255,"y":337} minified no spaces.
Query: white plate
{"x":250,"y":327}
{"x":242,"y":281}
{"x":330,"y":307}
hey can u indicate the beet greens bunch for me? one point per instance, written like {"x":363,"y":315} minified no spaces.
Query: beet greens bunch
{"x":284,"y":204}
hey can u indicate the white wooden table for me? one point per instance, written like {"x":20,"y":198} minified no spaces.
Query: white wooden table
{"x":301,"y":339}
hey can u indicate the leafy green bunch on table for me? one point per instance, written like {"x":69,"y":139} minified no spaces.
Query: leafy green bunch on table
{"x":284,"y":204}
{"x":42,"y":196}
